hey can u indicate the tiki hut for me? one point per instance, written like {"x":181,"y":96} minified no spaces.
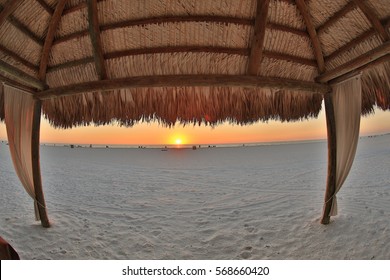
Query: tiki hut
{"x":82,"y":62}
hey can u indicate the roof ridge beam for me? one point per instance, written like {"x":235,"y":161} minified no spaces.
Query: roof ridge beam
{"x":302,"y":7}
{"x":249,"y":81}
{"x":8,"y":9}
{"x":256,"y":54}
{"x":336,"y":16}
{"x":53,"y":25}
{"x":94,"y":33}
{"x":372,"y":17}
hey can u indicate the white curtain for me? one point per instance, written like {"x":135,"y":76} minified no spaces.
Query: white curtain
{"x":347,"y":105}
{"x":19,"y":111}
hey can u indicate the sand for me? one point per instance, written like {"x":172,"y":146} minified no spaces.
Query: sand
{"x":221,"y":203}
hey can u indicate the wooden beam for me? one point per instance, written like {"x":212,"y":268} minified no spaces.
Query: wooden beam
{"x":287,"y":57}
{"x":332,"y":155}
{"x":312,"y":33}
{"x":70,"y":64}
{"x":36,"y":166}
{"x":352,"y":65}
{"x":249,"y":81}
{"x":18,"y":59}
{"x":71,"y":36}
{"x":175,"y":19}
{"x":16,"y":84}
{"x":160,"y":20}
{"x":8,"y":9}
{"x":351,"y":44}
{"x":356,"y":41}
{"x":177,"y":49}
{"x":80,"y":6}
{"x":288,"y":29}
{"x":353,"y":73}
{"x":256,"y":54}
{"x":336,"y":17}
{"x":46,"y":6}
{"x":372,"y":17}
{"x":94,"y":33}
{"x":55,"y":20}
{"x":20,"y":76}
{"x":25,"y":30}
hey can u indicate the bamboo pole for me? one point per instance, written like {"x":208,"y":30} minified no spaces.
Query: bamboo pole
{"x":36,"y":164}
{"x":332,"y":154}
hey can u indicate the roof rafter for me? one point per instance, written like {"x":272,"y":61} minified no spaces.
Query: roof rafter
{"x":77,"y":7}
{"x":372,"y":17}
{"x":54,"y":21}
{"x":16,"y":84}
{"x":350,"y":44}
{"x":18,"y":58}
{"x":160,"y":20}
{"x":46,"y":6}
{"x":20,"y":76}
{"x":22,"y":28}
{"x":256,"y":54}
{"x":25,"y":30}
{"x":288,"y":29}
{"x":8,"y":9}
{"x":94,"y":33}
{"x":177,"y":49}
{"x":70,"y":64}
{"x":291,"y":58}
{"x":356,"y":41}
{"x":249,"y":81}
{"x":312,"y":33}
{"x":333,"y":19}
{"x":352,"y":65}
{"x":374,"y":63}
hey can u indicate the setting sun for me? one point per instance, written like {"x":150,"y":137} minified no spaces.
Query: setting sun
{"x":178,"y":141}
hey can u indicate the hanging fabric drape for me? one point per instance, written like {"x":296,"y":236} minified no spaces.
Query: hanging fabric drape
{"x":19,"y":111}
{"x":347,"y":101}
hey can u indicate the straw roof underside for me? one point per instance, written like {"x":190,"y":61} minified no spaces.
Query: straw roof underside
{"x":202,"y":37}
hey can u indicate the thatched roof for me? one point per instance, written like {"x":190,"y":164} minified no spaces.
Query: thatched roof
{"x":192,"y":60}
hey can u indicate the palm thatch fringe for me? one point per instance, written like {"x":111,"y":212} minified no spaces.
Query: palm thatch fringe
{"x":376,"y":88}
{"x":188,"y":105}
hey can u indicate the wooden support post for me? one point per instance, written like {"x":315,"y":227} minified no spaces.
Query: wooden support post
{"x":332,"y":154}
{"x":36,"y":164}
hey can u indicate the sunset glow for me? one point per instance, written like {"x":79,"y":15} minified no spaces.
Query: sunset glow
{"x":155,"y":134}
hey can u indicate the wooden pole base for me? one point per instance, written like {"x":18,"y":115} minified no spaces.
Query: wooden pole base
{"x":332,"y":154}
{"x":36,"y":165}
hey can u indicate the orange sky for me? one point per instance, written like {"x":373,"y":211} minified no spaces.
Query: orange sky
{"x":154,"y":134}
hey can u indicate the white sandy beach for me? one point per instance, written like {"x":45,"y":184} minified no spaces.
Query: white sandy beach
{"x":224,"y":203}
